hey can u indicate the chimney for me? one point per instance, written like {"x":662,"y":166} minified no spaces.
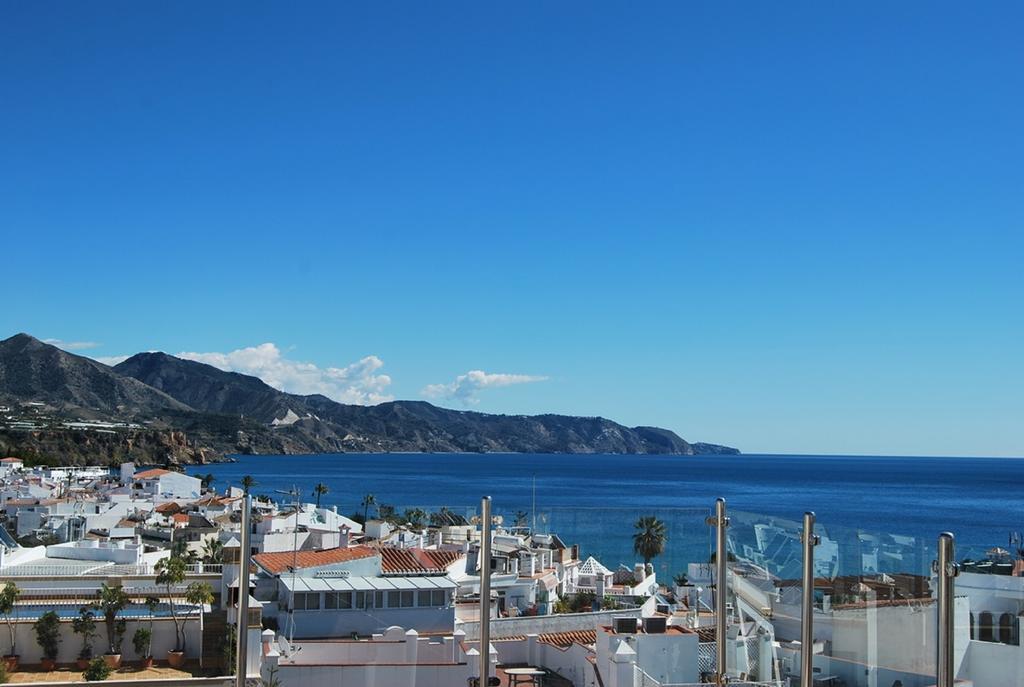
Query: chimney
{"x":639,"y":573}
{"x":343,"y":539}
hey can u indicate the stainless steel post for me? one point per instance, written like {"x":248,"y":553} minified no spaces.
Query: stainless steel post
{"x":485,"y":590}
{"x":242,"y":622}
{"x":947,"y":569}
{"x":720,"y":521}
{"x":809,"y":540}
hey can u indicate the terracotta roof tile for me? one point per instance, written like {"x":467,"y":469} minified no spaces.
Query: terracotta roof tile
{"x":150,"y":474}
{"x":566,"y":639}
{"x":417,"y":561}
{"x":169,"y":507}
{"x":281,"y":561}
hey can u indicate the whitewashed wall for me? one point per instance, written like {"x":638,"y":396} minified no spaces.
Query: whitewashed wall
{"x":71,"y":643}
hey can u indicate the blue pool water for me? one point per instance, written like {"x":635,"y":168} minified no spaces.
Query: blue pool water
{"x":593,"y":500}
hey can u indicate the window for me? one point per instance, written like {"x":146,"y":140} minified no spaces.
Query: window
{"x":338,"y":600}
{"x":1006,"y":628}
{"x":986,"y":630}
{"x":407,"y":599}
{"x":394,"y":599}
{"x":363,"y":600}
{"x":438,"y":597}
{"x":423,"y":598}
{"x":378,"y":599}
{"x":307,"y":601}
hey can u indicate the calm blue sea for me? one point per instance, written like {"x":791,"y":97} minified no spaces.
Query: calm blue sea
{"x":593,"y":500}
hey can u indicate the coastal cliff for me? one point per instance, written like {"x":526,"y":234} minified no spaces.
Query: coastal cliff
{"x":157,"y":408}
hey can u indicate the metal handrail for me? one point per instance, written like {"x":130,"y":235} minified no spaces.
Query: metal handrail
{"x":809,"y":540}
{"x":485,"y":590}
{"x":947,"y":569}
{"x":720,"y":521}
{"x":242,"y":621}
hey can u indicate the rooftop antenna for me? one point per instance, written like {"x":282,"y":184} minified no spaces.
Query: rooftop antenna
{"x":295,"y":558}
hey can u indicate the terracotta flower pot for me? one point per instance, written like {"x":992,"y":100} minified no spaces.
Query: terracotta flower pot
{"x":11,"y":662}
{"x":113,"y":661}
{"x":82,"y":663}
{"x":176,"y":658}
{"x":146,"y":662}
{"x":48,"y":664}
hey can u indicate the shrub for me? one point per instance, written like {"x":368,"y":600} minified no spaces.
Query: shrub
{"x":48,"y":634}
{"x":85,"y":625}
{"x":141,"y":641}
{"x":98,"y":671}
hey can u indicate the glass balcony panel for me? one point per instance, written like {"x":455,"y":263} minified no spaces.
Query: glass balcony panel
{"x":763,"y":599}
{"x":875,"y":613}
{"x":989,"y":598}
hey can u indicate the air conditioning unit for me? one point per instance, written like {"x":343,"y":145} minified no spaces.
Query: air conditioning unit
{"x":655,"y":626}
{"x":624,"y":626}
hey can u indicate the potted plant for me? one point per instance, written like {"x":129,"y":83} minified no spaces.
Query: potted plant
{"x":151,"y":605}
{"x":142,"y":640}
{"x":47,"y":629}
{"x":85,"y":625}
{"x":170,"y":572}
{"x":112,"y":602}
{"x":8,"y":596}
{"x":97,"y":670}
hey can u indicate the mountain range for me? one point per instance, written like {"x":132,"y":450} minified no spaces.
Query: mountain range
{"x":168,"y":410}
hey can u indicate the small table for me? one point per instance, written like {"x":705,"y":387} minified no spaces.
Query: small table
{"x":518,"y":675}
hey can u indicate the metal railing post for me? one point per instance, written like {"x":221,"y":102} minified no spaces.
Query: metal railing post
{"x":947,"y":569}
{"x":485,"y":590}
{"x":720,"y":521}
{"x":242,"y":622}
{"x":809,"y":540}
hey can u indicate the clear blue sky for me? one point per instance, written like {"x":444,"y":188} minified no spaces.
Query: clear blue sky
{"x":789,"y":228}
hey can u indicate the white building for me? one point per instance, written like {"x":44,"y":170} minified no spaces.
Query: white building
{"x":343,"y":592}
{"x":393,"y":657}
{"x":167,"y":484}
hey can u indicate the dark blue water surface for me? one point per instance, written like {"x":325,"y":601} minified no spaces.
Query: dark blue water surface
{"x":594,"y":500}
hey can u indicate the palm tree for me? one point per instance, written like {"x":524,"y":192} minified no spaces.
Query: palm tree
{"x":213,"y":551}
{"x":649,"y":540}
{"x":368,"y":500}
{"x":180,"y":549}
{"x":171,"y":573}
{"x":319,"y":490}
{"x":415,"y":517}
{"x":206,"y":481}
{"x":248,"y":483}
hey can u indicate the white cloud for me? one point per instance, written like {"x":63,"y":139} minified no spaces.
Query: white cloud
{"x":467,"y":387}
{"x":72,"y":345}
{"x":358,"y":383}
